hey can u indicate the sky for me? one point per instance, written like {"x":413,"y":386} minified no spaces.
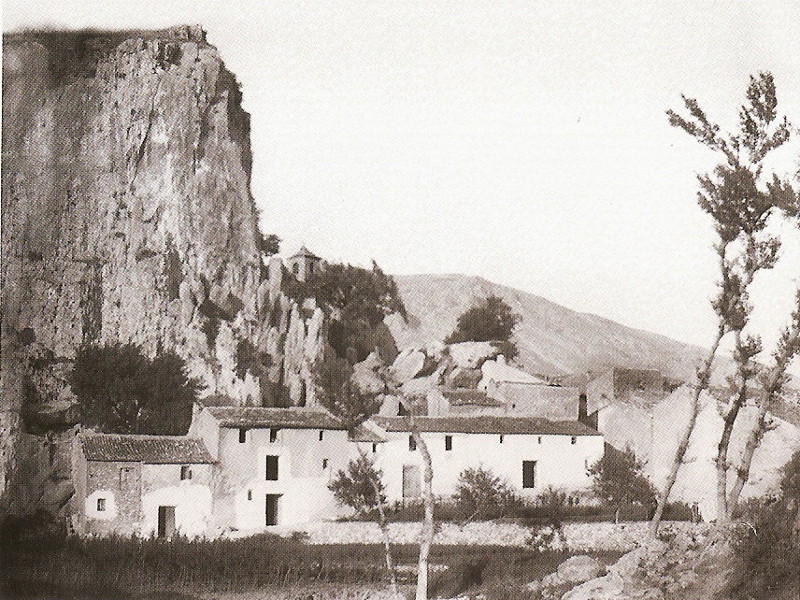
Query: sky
{"x":525,"y":142}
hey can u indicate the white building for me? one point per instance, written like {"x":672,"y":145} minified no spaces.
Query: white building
{"x":530,"y":454}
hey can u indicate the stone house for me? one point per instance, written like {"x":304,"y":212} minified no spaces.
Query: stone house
{"x":141,"y":484}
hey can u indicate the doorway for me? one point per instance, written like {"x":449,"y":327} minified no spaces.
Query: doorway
{"x":271,"y":509}
{"x":166,"y":521}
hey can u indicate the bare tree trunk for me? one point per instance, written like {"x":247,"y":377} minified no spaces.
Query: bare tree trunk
{"x":383,"y":523}
{"x":789,"y":346}
{"x":725,"y":439}
{"x":426,"y":540}
{"x":703,"y":376}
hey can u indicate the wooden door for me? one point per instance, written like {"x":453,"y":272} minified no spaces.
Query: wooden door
{"x":271,"y":509}
{"x":166,"y":521}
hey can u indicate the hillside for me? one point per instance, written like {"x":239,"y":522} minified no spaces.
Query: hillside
{"x":553,"y":340}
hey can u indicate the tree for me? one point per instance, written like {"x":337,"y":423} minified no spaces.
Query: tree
{"x":358,"y":299}
{"x":479,"y":491}
{"x":269,"y":244}
{"x":741,"y":205}
{"x":617,"y":479}
{"x":361,"y":487}
{"x":490,"y":320}
{"x":120,"y":390}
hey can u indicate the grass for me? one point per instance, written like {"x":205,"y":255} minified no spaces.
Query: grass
{"x":53,"y":567}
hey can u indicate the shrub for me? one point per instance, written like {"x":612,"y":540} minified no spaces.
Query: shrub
{"x":617,"y":479}
{"x":479,"y":492}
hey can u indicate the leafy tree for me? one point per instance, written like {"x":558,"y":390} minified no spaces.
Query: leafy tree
{"x":269,"y":244}
{"x":358,"y":300}
{"x":120,"y":390}
{"x":490,"y":320}
{"x":479,"y":492}
{"x":741,"y":203}
{"x":617,"y":479}
{"x":360,"y":487}
{"x":339,"y":394}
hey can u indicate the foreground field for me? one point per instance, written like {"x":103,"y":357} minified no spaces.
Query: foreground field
{"x":255,"y":568}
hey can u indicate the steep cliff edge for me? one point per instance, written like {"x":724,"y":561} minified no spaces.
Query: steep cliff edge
{"x":127,"y":216}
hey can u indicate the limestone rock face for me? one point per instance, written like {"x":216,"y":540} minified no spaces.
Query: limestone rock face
{"x":471,"y":355}
{"x":128,"y":217}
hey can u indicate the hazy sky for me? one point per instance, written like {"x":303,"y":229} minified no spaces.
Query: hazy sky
{"x":522,"y":141}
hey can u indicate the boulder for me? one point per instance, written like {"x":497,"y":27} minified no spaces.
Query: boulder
{"x":578,"y":569}
{"x":463,"y":378}
{"x":407,"y":365}
{"x":471,"y":355}
{"x":609,"y":587}
{"x":365,"y":375}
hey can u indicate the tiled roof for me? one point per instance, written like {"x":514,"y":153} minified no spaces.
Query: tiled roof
{"x":289,"y":418}
{"x":153,"y":449}
{"x":462,"y":397}
{"x":488,"y":424}
{"x":304,"y":252}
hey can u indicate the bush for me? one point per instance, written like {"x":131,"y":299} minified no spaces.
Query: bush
{"x":360,"y":487}
{"x":769,"y":548}
{"x":480,"y":493}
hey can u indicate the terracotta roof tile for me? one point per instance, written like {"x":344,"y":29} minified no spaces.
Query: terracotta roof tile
{"x":488,"y":424}
{"x":153,"y":449}
{"x":463,"y":397}
{"x":289,"y":418}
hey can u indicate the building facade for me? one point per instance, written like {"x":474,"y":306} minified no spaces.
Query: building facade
{"x":141,"y":485}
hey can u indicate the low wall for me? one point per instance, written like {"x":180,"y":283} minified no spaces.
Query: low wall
{"x":579,"y":537}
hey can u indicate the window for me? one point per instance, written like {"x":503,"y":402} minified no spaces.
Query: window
{"x":101,"y":504}
{"x":296,"y":268}
{"x":321,"y":435}
{"x":573,"y":440}
{"x":242,"y":435}
{"x":539,"y":440}
{"x":272,"y":468}
{"x":186,"y":472}
{"x":528,"y":474}
{"x":249,"y":495}
{"x":501,"y":438}
{"x":448,"y":443}
{"x":412,"y":443}
{"x":273,"y":436}
{"x":374,"y":447}
{"x":324,"y":463}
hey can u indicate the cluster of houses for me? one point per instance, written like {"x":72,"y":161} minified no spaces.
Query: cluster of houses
{"x":244,"y":468}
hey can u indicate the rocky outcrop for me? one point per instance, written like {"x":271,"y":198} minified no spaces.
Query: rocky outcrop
{"x":128,"y":217}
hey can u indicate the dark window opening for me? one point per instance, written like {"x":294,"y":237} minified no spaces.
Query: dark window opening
{"x":249,"y":494}
{"x":101,"y":504}
{"x":242,"y":435}
{"x":412,"y":443}
{"x":296,"y":268}
{"x":501,"y":438}
{"x":539,"y":440}
{"x":324,"y":463}
{"x":573,"y":440}
{"x":321,"y":435}
{"x":528,"y":474}
{"x":374,"y":447}
{"x":272,"y":468}
{"x":448,"y":443}
{"x":186,"y":472}
{"x":273,"y":436}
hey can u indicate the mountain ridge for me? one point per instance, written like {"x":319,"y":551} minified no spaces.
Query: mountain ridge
{"x":553,"y":340}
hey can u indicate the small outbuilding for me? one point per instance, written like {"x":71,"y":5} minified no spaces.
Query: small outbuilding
{"x":141,"y":484}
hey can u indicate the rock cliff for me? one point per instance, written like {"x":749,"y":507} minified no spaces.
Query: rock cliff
{"x":127,"y":216}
